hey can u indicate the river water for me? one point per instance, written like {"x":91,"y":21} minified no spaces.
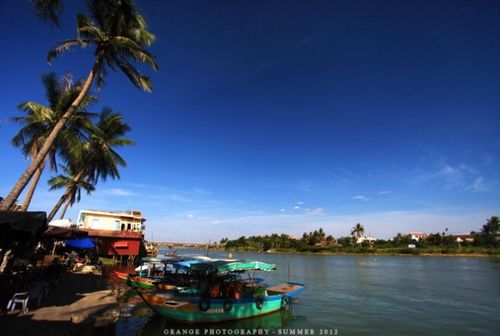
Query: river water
{"x":366,"y":295}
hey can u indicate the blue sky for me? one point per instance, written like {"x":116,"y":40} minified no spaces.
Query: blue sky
{"x":287,"y":116}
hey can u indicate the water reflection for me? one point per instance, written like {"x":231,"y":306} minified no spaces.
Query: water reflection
{"x":365,"y":295}
{"x":157,"y":325}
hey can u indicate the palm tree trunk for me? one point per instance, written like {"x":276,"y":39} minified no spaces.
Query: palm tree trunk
{"x":57,"y":206}
{"x":31,"y":189}
{"x":65,"y":209}
{"x":63,"y":198}
{"x":40,"y":157}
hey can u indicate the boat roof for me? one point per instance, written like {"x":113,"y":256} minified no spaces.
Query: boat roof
{"x":151,"y":259}
{"x":224,"y":266}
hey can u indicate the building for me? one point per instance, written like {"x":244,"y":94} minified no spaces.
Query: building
{"x":463,"y":237}
{"x":362,"y":239}
{"x":116,"y":233}
{"x":418,"y":235}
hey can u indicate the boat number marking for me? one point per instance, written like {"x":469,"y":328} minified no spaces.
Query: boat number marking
{"x":215,"y":311}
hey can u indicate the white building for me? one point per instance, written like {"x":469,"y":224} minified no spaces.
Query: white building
{"x":362,"y":239}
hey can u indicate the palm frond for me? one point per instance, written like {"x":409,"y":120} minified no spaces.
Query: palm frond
{"x":52,"y":88}
{"x":130,"y":48}
{"x":64,"y":46}
{"x":48,"y":10}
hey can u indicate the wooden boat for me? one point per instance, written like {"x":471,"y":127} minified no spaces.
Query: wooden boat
{"x":153,"y":271}
{"x":135,"y":281}
{"x":221,"y":295}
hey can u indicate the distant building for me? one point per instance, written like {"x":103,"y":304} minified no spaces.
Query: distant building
{"x":461,"y":237}
{"x":362,"y":239}
{"x":418,"y":235}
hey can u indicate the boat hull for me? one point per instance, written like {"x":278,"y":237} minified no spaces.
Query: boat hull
{"x":217,"y":310}
{"x":135,"y":281}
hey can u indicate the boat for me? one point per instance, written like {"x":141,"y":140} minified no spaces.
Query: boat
{"x":219,"y":294}
{"x":161,"y":272}
{"x":135,"y":281}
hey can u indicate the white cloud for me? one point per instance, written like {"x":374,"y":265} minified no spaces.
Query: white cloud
{"x":384,"y":224}
{"x":190,"y":215}
{"x":282,"y":210}
{"x":118,"y":192}
{"x":478,"y":185}
{"x":215,"y":222}
{"x":359,"y":198}
{"x":317,"y":212}
{"x":300,"y":203}
{"x":296,"y":207}
{"x":384,"y":192}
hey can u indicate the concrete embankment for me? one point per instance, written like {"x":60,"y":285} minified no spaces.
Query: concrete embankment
{"x":81,"y":304}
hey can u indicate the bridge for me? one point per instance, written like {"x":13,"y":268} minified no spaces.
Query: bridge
{"x":189,"y":245}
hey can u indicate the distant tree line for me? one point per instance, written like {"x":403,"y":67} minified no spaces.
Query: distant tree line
{"x":319,"y":241}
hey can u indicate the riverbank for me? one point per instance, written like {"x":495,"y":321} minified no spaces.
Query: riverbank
{"x":437,"y":252}
{"x":82,"y":304}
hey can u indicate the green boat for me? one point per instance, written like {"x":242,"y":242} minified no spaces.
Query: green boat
{"x":223,"y":295}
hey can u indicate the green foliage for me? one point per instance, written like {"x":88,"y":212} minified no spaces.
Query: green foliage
{"x":438,"y":243}
{"x":490,"y":232}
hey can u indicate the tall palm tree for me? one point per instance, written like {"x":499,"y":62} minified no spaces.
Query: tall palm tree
{"x":95,"y":160}
{"x":120,"y":37}
{"x":358,"y":230}
{"x":48,"y":10}
{"x":100,"y":154}
{"x":39,"y":120}
{"x":73,"y":184}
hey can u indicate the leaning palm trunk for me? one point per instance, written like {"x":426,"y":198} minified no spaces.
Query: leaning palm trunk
{"x":58,"y":205}
{"x":32,"y":187}
{"x":63,"y":198}
{"x":47,"y":145}
{"x":65,"y":209}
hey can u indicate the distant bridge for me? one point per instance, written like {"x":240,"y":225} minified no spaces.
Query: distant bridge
{"x":189,"y":245}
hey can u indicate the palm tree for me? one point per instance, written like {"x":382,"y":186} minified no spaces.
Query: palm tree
{"x":357,"y":231}
{"x":105,"y":136}
{"x":491,"y":229}
{"x":73,"y":183}
{"x":48,"y":10}
{"x":119,"y":35}
{"x":94,"y":160}
{"x":39,"y":121}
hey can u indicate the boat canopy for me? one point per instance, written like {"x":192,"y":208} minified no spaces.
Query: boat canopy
{"x":224,"y":266}
{"x":151,"y":260}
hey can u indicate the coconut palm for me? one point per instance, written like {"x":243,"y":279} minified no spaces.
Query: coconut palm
{"x":106,"y":135}
{"x":39,"y":120}
{"x":48,"y":10}
{"x":357,"y":231}
{"x":94,"y":160}
{"x":73,"y":184}
{"x":120,"y":37}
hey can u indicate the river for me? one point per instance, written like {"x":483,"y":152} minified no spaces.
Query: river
{"x":367,"y":295}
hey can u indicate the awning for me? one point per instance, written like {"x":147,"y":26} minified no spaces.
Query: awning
{"x":57,"y":232}
{"x":21,"y":226}
{"x":223,"y":266}
{"x":81,"y":243}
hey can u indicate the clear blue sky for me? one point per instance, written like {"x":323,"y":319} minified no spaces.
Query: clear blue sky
{"x":287,"y":116}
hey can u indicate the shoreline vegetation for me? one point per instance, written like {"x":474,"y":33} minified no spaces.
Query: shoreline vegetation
{"x":478,"y":253}
{"x":484,"y":243}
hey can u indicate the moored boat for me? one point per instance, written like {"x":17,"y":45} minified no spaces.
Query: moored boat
{"x":221,"y":295}
{"x":134,"y":280}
